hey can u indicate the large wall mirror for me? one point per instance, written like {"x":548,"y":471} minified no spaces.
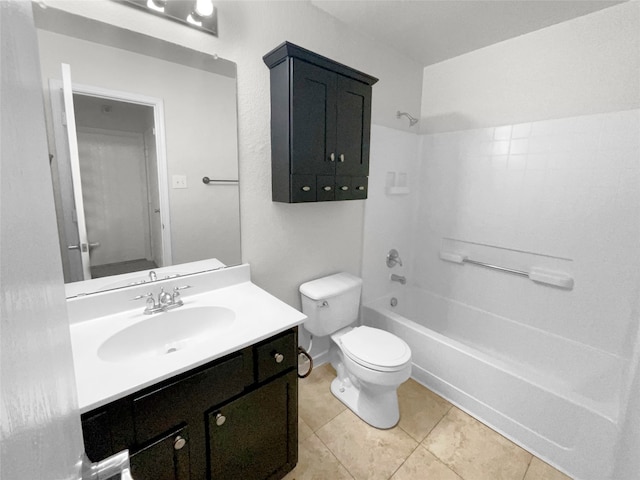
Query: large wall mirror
{"x":143,"y":137}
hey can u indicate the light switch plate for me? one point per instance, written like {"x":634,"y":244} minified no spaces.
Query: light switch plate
{"x":179,"y":181}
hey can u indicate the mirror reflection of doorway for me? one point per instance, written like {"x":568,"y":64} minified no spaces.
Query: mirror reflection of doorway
{"x":113,"y":209}
{"x":118,"y":167}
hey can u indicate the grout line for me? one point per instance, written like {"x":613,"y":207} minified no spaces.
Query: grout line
{"x":334,"y":456}
{"x":329,"y":421}
{"x":404,"y":461}
{"x":444,"y":464}
{"x":450,"y":467}
{"x":434,"y":427}
{"x":528,"y":465}
{"x":430,"y":430}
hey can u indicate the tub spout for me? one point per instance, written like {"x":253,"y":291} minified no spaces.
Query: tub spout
{"x":398,"y":278}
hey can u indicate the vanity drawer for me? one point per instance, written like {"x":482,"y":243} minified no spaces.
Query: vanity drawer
{"x":159,"y":410}
{"x":276,"y":356}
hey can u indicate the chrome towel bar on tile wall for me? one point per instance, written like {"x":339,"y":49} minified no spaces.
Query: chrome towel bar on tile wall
{"x":207,"y":181}
{"x":537,"y":275}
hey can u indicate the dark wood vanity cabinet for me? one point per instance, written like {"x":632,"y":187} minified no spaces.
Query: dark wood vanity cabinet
{"x":320,"y":127}
{"x":234,"y":418}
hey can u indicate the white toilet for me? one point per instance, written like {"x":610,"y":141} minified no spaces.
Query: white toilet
{"x":371,"y":363}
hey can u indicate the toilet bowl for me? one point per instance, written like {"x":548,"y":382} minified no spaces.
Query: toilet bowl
{"x":370,"y":363}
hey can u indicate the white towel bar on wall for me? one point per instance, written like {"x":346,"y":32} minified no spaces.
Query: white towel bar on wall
{"x":537,"y":275}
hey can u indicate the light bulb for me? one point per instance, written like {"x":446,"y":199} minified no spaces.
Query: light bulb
{"x":157,"y":5}
{"x":193,"y":21}
{"x":204,"y":8}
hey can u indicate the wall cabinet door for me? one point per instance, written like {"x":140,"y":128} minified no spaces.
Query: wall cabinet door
{"x":313,"y":113}
{"x":353,"y":126}
{"x":255,"y":437}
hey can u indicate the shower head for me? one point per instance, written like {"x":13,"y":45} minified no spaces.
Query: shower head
{"x":412,"y":120}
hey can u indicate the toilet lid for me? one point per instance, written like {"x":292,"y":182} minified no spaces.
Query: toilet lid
{"x":375,"y":348}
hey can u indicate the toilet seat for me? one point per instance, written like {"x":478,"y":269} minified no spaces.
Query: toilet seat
{"x":375,"y":349}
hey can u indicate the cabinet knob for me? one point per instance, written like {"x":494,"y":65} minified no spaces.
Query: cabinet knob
{"x":332,"y":157}
{"x":306,"y":188}
{"x":360,"y":187}
{"x":278,"y":357}
{"x":342,"y":157}
{"x":179,"y":443}
{"x":220,"y":419}
{"x":327,"y":188}
{"x":344,"y":188}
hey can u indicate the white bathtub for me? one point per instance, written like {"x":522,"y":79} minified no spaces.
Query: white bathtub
{"x":557,"y":398}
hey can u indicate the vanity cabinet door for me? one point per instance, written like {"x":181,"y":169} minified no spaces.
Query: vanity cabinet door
{"x":156,"y":410}
{"x":255,"y":437}
{"x":166,"y":458}
{"x":96,"y":431}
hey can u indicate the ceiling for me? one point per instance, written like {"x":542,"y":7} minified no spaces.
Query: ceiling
{"x":430,"y":31}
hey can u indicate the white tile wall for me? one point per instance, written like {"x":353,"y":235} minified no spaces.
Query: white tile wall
{"x":567,"y":187}
{"x":388,"y":217}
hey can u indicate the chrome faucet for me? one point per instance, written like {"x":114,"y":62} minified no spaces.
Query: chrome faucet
{"x":398,"y":278}
{"x":152,"y":276}
{"x":166,"y":301}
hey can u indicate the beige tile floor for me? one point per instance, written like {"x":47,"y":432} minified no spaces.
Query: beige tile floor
{"x":434,"y":440}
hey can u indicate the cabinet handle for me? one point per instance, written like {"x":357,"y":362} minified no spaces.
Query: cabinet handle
{"x":220,"y":419}
{"x":332,"y":157}
{"x":326,"y":189}
{"x":360,"y":187}
{"x":344,"y":188}
{"x":342,"y":157}
{"x":179,"y":443}
{"x":278,"y":357}
{"x":306,"y":188}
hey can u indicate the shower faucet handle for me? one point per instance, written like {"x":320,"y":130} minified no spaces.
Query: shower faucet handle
{"x":393,"y":258}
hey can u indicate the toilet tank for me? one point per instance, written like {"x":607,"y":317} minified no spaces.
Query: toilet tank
{"x":330,"y":303}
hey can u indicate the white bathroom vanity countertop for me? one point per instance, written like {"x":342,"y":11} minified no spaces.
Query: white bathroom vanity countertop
{"x":258,"y":316}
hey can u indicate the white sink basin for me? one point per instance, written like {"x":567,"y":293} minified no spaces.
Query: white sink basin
{"x":165,"y":333}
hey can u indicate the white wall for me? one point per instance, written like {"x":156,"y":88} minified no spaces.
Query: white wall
{"x":285,"y":244}
{"x":583,"y":66}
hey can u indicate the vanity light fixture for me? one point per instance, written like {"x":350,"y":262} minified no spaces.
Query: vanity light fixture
{"x":199,"y":14}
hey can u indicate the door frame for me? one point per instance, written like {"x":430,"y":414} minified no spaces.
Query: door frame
{"x":55,"y":86}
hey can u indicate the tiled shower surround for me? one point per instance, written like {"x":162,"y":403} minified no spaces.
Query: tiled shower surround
{"x":563,"y":194}
{"x":567,"y":188}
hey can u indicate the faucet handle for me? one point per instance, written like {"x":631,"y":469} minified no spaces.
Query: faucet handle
{"x":152,"y":306}
{"x":175,"y":298}
{"x":393,"y":258}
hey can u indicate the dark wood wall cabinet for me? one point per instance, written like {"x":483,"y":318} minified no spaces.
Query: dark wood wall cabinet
{"x":233,"y":418}
{"x":320,"y":127}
